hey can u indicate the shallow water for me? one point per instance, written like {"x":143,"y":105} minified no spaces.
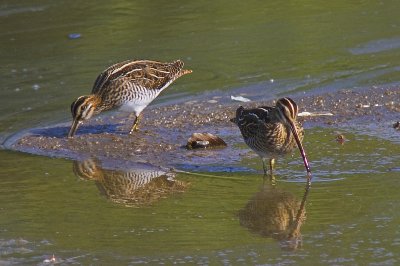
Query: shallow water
{"x":352,"y":211}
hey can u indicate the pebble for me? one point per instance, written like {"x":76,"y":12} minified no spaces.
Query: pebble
{"x":73,"y":36}
{"x":240,"y":99}
{"x":340,"y":139}
{"x":204,"y":140}
{"x":35,"y":87}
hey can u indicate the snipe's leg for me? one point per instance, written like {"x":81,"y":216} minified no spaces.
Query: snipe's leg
{"x":271,"y":165}
{"x":271,"y":171}
{"x":265,"y":166}
{"x":135,"y":126}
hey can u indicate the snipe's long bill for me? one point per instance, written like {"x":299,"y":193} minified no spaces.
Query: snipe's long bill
{"x":272,"y":131}
{"x":130,"y":86}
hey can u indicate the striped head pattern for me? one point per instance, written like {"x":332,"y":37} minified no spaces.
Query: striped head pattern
{"x":82,"y":109}
{"x":287,"y":110}
{"x":86,"y":169}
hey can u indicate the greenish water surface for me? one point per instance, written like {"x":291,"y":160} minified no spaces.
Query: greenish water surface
{"x":265,"y":49}
{"x":352,"y":214}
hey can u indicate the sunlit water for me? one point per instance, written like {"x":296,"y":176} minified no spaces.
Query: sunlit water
{"x":352,"y":211}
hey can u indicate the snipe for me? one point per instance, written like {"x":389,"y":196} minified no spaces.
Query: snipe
{"x":272,"y":131}
{"x":130,"y":86}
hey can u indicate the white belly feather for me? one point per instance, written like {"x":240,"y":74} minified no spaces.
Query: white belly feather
{"x":137,"y":105}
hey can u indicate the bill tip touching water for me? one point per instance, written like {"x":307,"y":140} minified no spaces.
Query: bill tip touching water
{"x":130,"y":86}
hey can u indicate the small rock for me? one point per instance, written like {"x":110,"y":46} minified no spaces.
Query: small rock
{"x":73,"y":36}
{"x":52,"y":260}
{"x":240,"y":99}
{"x":35,"y":87}
{"x":340,"y":139}
{"x":200,"y":144}
{"x":204,"y":140}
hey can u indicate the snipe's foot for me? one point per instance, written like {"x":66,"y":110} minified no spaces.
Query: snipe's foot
{"x":134,"y":129}
{"x":135,"y":126}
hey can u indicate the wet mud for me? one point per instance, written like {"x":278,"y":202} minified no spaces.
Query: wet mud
{"x":165,"y":130}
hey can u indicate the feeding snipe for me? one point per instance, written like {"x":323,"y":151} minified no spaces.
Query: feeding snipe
{"x":130,"y":85}
{"x":136,"y":186}
{"x":272,"y":131}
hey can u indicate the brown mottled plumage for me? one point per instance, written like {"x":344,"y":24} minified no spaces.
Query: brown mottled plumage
{"x":139,"y":186}
{"x":130,"y":85}
{"x":273,"y":212}
{"x":272,"y":131}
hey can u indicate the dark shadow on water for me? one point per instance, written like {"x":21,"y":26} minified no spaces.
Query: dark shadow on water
{"x":140,"y":185}
{"x":275,"y":213}
{"x":62,"y":131}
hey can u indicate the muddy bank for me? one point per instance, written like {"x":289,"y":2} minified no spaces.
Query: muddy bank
{"x":164,"y":130}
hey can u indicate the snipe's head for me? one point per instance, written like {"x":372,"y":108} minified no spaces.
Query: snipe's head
{"x":81,"y":109}
{"x":87,"y":169}
{"x":287,"y":112}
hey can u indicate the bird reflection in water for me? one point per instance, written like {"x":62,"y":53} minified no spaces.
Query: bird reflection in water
{"x":135,"y":187}
{"x":276,"y":213}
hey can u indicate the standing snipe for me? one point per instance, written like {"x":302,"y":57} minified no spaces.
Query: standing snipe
{"x":272,"y":131}
{"x":130,"y":85}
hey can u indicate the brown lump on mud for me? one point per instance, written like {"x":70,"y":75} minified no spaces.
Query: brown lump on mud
{"x":204,"y":140}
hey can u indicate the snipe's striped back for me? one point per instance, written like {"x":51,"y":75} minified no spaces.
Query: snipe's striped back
{"x":140,"y":185}
{"x":130,"y":86}
{"x":272,"y":131}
